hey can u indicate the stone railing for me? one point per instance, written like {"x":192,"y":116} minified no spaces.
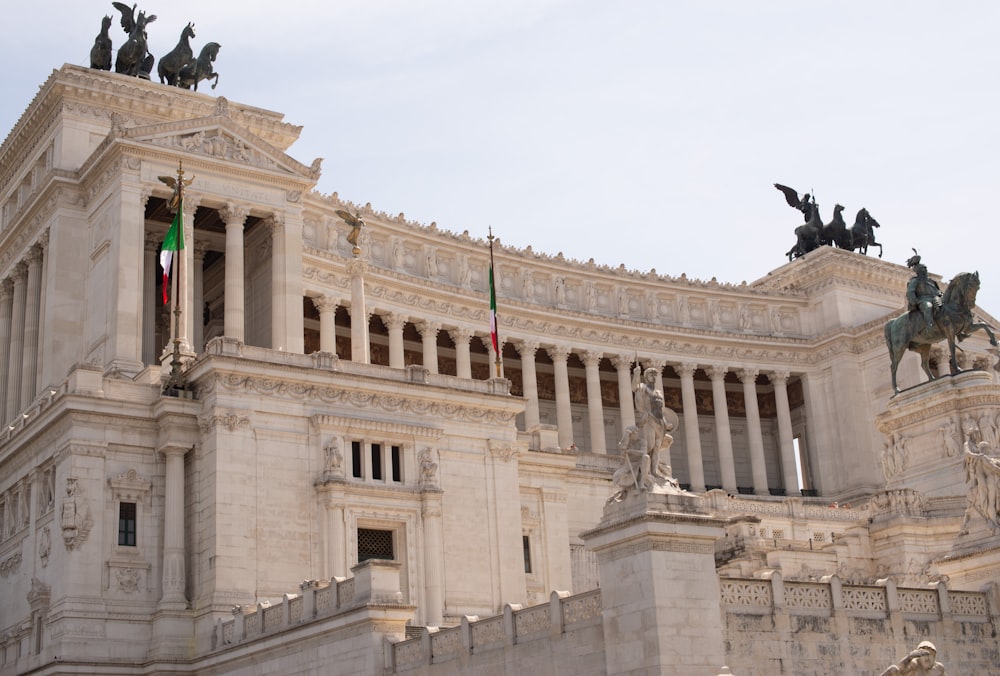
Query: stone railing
{"x":229,"y":347}
{"x":562,"y":614}
{"x":374,"y":582}
{"x":755,"y":596}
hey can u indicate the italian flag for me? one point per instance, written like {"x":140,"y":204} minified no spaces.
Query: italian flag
{"x":174,"y":241}
{"x":493,"y":308}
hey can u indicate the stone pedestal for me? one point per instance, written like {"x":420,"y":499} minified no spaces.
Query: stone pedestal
{"x":659,"y":586}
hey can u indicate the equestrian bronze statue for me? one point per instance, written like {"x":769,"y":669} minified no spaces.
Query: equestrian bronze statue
{"x":932,"y":317}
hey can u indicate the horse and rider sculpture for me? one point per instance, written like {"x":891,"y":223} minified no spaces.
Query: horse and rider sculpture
{"x":179,"y":68}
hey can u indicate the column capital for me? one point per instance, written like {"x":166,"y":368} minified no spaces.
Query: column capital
{"x":622,"y":361}
{"x":394,"y":321}
{"x":558,"y":353}
{"x":717,"y":372}
{"x":686,"y":369}
{"x":428,"y":328}
{"x":234,"y":214}
{"x":275,"y":223}
{"x":655,"y":363}
{"x":779,"y":377}
{"x":461,"y":335}
{"x":192,"y":201}
{"x":748,"y":375}
{"x":20,"y":272}
{"x":527,"y":348}
{"x":356,"y":267}
{"x":325,"y":303}
{"x":43,"y":240}
{"x":34,"y":255}
{"x":592,"y":358}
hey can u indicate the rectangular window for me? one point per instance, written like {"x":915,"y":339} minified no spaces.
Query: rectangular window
{"x":374,"y":544}
{"x":126,"y":524}
{"x":526,"y":545}
{"x":356,"y":469}
{"x":377,"y":462}
{"x":397,"y":470}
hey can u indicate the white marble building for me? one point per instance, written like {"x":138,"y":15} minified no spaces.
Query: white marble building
{"x":343,"y":410}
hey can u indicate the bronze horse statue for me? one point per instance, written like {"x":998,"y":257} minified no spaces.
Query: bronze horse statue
{"x":170,"y":65}
{"x":863,"y":233}
{"x":953,"y":321}
{"x":200,"y":69}
{"x":100,"y":53}
{"x":835,"y":233}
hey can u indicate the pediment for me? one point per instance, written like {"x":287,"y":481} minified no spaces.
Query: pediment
{"x":219,"y":138}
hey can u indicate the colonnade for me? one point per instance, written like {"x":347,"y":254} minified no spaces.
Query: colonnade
{"x":21,"y":300}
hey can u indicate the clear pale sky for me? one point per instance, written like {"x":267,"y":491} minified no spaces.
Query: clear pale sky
{"x":640,"y":132}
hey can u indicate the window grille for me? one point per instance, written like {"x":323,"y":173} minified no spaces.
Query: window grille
{"x":374,"y":544}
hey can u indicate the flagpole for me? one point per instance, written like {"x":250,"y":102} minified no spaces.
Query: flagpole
{"x":176,"y":380}
{"x":494,"y":321}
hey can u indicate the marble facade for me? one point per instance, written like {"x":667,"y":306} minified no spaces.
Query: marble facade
{"x":345,"y":426}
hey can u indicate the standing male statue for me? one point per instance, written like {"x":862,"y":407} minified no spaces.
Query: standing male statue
{"x":918,"y":662}
{"x":922,"y":292}
{"x":653,"y":427}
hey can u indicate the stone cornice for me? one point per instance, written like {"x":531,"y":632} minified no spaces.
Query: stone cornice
{"x":347,"y":424}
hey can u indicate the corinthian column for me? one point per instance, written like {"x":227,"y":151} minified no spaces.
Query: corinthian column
{"x":529,"y":381}
{"x":692,"y":437}
{"x":16,"y":356}
{"x":395,"y":322}
{"x":234,"y":323}
{"x":31,"y":307}
{"x":149,"y":304}
{"x":360,"y":351}
{"x":780,"y":381}
{"x":564,"y":412}
{"x":623,"y":365}
{"x":327,"y":307}
{"x":185,"y":281}
{"x":757,"y":464}
{"x":463,"y":358}
{"x":6,"y":310}
{"x":595,"y":407}
{"x":428,"y":334}
{"x":724,"y":435}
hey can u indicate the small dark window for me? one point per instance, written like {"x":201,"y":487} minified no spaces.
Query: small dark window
{"x":526,"y":545}
{"x":377,"y":462}
{"x":397,"y":470}
{"x":374,"y":544}
{"x":356,"y":469}
{"x":126,"y":524}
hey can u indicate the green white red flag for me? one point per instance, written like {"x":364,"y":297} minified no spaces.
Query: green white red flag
{"x":174,"y":241}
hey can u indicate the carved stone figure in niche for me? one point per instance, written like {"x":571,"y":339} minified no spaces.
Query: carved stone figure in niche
{"x":560,"y":290}
{"x":428,"y":467}
{"x":432,"y":266}
{"x":894,"y":456}
{"x":334,"y":458}
{"x":950,"y":439}
{"x":921,"y":661}
{"x":75,"y":517}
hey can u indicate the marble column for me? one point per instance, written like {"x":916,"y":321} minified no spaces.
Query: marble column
{"x":31,"y":320}
{"x":595,"y":407}
{"x":723,"y":434}
{"x":432,"y":516}
{"x":174,"y":579}
{"x":360,"y":351}
{"x":692,"y":437}
{"x":198,"y":279}
{"x":6,"y":310}
{"x":395,"y":323}
{"x":626,"y":403}
{"x":151,"y":300}
{"x":463,"y":357}
{"x":336,"y":552}
{"x":428,"y":335}
{"x":276,"y":224}
{"x":780,"y":381}
{"x":185,"y":280}
{"x":44,"y":322}
{"x":15,"y":358}
{"x":327,"y":307}
{"x":529,"y":382}
{"x":748,"y":377}
{"x":564,"y":411}
{"x":234,"y":320}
